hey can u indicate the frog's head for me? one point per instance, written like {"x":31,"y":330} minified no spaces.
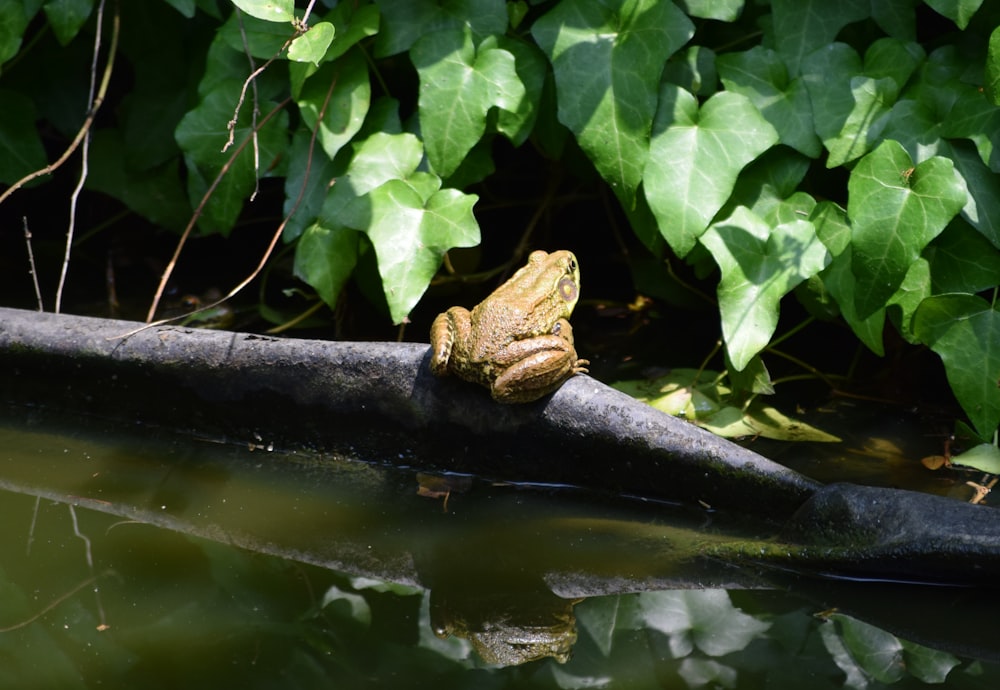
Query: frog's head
{"x":552,"y":282}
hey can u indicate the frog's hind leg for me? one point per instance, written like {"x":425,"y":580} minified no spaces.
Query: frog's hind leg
{"x":446,"y":328}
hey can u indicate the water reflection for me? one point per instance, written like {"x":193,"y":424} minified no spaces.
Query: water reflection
{"x":134,"y":558}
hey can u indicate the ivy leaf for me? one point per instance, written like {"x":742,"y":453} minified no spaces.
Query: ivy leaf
{"x":348,"y":102}
{"x":759,"y":266}
{"x":964,"y":330}
{"x":404,"y":22}
{"x":325,"y":257}
{"x":531,"y":67}
{"x":962,"y":260}
{"x":761,"y":75}
{"x":458,"y":86}
{"x":201,"y":134}
{"x":21,"y":150}
{"x":607,"y":58}
{"x":268,"y":10}
{"x":66,"y":17}
{"x":850,"y":109}
{"x":984,"y":457}
{"x":896,"y":209}
{"x":311,"y":46}
{"x":723,"y":10}
{"x":695,"y":158}
{"x":412,"y":223}
{"x":801,"y":26}
{"x":982,"y":208}
{"x":958,"y":11}
{"x":993,"y":67}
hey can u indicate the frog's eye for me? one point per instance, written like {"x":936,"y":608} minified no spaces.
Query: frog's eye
{"x":567,"y":289}
{"x":572,"y":265}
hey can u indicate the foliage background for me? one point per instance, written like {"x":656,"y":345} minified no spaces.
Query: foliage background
{"x":841,"y":155}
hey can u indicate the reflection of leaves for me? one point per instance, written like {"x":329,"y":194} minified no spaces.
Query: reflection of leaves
{"x":702,"y":619}
{"x":863,"y":652}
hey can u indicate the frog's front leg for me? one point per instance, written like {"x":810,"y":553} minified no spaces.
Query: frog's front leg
{"x":449,"y":331}
{"x":535,"y":366}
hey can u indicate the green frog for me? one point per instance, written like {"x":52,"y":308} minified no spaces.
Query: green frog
{"x":517,"y":342}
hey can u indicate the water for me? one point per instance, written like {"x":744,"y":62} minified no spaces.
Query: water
{"x":137,"y":558}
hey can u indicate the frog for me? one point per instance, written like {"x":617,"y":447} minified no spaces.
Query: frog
{"x":517,"y":342}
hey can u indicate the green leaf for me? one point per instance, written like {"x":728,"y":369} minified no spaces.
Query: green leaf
{"x":306,"y":184}
{"x":311,"y":46}
{"x":958,"y":11}
{"x":262,"y":39}
{"x":962,"y":260}
{"x":975,"y":118}
{"x":458,"y":86}
{"x":802,"y":26}
{"x":849,"y":109}
{"x":530,"y":65}
{"x":406,"y":21}
{"x":67,"y":16}
{"x":156,"y":193}
{"x":760,"y":75}
{"x":985,"y":457}
{"x":723,"y":10}
{"x":412,"y":223}
{"x":695,"y":157}
{"x":759,"y":266}
{"x":201,"y":134}
{"x":345,"y":83}
{"x":840,"y":282}
{"x":964,"y":330}
{"x":693,"y":70}
{"x":13,"y":22}
{"x":268,"y":10}
{"x":992,"y":85}
{"x":896,"y":17}
{"x":325,"y":257}
{"x":915,"y":288}
{"x":607,"y":58}
{"x":21,"y":150}
{"x":351,"y":24}
{"x":896,"y":209}
{"x":982,"y":208}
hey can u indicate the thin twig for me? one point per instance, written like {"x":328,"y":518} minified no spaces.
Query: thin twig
{"x":31,"y":264}
{"x":194,"y":219}
{"x":84,"y":158}
{"x":28,"y":621}
{"x":254,"y":111}
{"x":87,"y":123}
{"x":90,"y":566}
{"x":270,"y":247}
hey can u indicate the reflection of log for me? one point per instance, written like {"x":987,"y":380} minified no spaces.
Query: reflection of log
{"x":380,"y":400}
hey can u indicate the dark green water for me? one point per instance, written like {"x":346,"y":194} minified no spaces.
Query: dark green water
{"x":134,"y":558}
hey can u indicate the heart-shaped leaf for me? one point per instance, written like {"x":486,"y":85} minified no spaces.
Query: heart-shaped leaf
{"x":759,"y":266}
{"x":695,"y":157}
{"x":311,"y":46}
{"x":458,"y":87}
{"x":412,"y":223}
{"x":896,"y":209}
{"x":268,"y":10}
{"x":607,"y":58}
{"x":761,"y":75}
{"x":964,"y":330}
